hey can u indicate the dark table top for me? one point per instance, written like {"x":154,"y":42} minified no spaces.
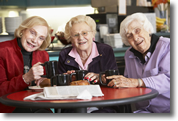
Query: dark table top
{"x":111,"y":97}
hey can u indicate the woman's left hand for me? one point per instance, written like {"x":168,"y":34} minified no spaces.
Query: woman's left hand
{"x":92,"y":77}
{"x":37,"y":82}
{"x":121,"y":81}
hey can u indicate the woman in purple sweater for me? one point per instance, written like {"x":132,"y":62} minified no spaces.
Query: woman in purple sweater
{"x":147,"y":63}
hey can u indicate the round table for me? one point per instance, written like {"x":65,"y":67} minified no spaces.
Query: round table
{"x":111,"y":97}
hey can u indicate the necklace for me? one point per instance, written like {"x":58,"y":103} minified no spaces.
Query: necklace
{"x":26,"y":59}
{"x":26,"y":69}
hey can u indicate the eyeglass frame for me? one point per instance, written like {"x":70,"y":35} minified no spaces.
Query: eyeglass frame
{"x":79,"y":33}
{"x":133,"y":33}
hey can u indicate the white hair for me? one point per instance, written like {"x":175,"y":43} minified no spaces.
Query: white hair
{"x":78,"y":19}
{"x":141,"y":18}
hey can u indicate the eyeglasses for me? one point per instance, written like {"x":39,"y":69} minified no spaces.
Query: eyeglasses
{"x":83,"y":33}
{"x":134,"y":32}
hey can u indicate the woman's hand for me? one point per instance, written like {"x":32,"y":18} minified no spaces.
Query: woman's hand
{"x":121,"y":81}
{"x":37,"y":82}
{"x":69,"y":72}
{"x":43,"y":82}
{"x":103,"y":78}
{"x":34,"y":73}
{"x":92,"y":77}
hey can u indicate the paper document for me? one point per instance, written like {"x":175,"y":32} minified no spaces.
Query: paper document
{"x":67,"y":92}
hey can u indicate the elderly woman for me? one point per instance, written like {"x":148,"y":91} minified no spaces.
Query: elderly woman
{"x":147,"y":63}
{"x":85,"y":53}
{"x":21,"y":57}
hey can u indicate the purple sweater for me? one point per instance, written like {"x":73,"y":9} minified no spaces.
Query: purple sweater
{"x":155,"y":72}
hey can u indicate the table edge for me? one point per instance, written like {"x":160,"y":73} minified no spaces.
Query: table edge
{"x":4,"y":100}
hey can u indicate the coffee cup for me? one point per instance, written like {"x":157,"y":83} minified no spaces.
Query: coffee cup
{"x":61,"y":80}
{"x":108,"y":73}
{"x":51,"y":68}
{"x":79,"y":74}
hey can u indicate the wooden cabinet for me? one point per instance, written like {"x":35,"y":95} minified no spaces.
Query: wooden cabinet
{"x":42,"y":3}
{"x":84,"y":2}
{"x":31,"y":3}
{"x":73,"y":2}
{"x":22,"y":3}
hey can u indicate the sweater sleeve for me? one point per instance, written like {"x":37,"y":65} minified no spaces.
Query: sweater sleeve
{"x":12,"y":85}
{"x":160,"y":80}
{"x":61,"y":65}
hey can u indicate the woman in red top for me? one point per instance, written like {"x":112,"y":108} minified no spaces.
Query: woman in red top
{"x":21,"y":57}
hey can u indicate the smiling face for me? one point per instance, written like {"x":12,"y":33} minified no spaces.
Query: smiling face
{"x":137,"y":37}
{"x":82,"y":36}
{"x":33,"y":38}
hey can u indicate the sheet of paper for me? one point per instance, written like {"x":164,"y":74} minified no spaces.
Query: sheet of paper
{"x":72,"y":90}
{"x":67,"y":92}
{"x":122,"y":7}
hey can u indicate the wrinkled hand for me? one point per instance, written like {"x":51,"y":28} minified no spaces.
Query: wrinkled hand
{"x":103,"y":78}
{"x":37,"y":82}
{"x":69,"y":72}
{"x":34,"y":73}
{"x":121,"y":81}
{"x":92,"y":77}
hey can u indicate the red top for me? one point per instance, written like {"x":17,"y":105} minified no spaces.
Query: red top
{"x":11,"y":69}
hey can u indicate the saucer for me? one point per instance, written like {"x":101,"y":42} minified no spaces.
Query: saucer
{"x":35,"y":88}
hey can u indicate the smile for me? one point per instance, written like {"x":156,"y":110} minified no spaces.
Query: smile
{"x":140,"y":42}
{"x":30,"y":45}
{"x":81,"y":43}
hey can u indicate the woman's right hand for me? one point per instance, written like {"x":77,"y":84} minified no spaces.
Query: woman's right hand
{"x":103,"y":78}
{"x":34,"y":73}
{"x":121,"y":81}
{"x":69,"y":72}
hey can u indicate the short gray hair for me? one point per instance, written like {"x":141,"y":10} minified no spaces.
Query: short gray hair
{"x":141,"y":18}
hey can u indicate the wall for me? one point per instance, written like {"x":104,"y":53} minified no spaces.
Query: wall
{"x":7,"y":13}
{"x":56,"y":17}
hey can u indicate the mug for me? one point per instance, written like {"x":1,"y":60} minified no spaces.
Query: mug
{"x":79,"y":74}
{"x":51,"y":68}
{"x":108,"y":73}
{"x":60,"y":80}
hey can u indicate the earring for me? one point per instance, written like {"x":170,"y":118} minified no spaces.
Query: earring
{"x":93,"y":39}
{"x":21,"y":34}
